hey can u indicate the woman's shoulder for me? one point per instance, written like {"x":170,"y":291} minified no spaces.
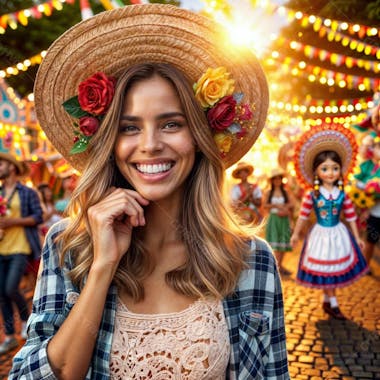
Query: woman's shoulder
{"x":58,"y":227}
{"x":52,"y":248}
{"x":261,"y":271}
{"x":260,"y":256}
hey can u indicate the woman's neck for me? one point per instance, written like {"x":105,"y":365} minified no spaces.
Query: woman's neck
{"x":162,"y":221}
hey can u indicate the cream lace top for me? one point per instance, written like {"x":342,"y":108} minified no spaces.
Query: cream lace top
{"x":189,"y":345}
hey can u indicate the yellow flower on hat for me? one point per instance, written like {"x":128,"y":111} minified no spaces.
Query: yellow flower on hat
{"x":223,"y":142}
{"x":213,"y":85}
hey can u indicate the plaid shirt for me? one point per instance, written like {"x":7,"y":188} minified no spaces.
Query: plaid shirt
{"x":254,"y":314}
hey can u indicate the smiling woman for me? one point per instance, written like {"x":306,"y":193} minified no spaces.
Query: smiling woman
{"x":149,"y":276}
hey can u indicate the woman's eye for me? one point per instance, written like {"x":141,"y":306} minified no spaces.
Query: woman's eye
{"x":171,"y":125}
{"x":128,"y":129}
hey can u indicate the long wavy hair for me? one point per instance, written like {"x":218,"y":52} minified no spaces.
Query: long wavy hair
{"x":216,"y":246}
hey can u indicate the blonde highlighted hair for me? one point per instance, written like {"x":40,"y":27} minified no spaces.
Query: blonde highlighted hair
{"x":215,"y":244}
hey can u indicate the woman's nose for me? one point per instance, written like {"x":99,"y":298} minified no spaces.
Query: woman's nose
{"x":150,"y":140}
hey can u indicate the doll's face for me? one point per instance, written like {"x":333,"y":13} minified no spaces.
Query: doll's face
{"x":329,"y":172}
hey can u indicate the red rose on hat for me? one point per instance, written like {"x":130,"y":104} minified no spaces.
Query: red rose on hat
{"x":96,"y":93}
{"x":88,"y":125}
{"x":222,"y":115}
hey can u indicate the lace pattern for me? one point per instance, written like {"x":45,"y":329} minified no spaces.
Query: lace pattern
{"x":189,"y":345}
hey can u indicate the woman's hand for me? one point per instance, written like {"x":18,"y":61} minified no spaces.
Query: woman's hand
{"x":111,"y":223}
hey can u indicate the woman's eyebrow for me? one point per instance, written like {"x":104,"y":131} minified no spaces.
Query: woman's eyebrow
{"x":165,"y":115}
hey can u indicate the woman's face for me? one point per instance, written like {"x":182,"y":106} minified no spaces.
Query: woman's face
{"x":48,"y":193}
{"x":328,"y":171}
{"x":154,"y":148}
{"x":277,"y":180}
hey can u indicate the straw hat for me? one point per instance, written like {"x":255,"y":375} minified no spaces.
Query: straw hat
{"x":276,"y":172}
{"x":321,"y":138}
{"x":242,"y":166}
{"x":112,"y":41}
{"x":20,"y":166}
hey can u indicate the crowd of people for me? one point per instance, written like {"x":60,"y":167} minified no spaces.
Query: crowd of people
{"x":131,"y":295}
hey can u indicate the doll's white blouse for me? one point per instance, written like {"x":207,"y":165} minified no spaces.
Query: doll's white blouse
{"x":191,"y":344}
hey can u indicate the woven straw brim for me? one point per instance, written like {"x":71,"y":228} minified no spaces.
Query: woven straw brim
{"x":312,"y":143}
{"x":114,"y":40}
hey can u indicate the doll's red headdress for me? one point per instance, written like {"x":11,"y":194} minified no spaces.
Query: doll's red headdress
{"x":319,"y":139}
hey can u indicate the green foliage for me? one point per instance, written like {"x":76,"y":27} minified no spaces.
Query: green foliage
{"x":373,"y":10}
{"x":72,"y":107}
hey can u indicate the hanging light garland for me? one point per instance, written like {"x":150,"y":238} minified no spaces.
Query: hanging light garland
{"x":324,"y":55}
{"x":22,"y":66}
{"x":319,"y":23}
{"x":323,"y":76}
{"x":37,"y":11}
{"x":321,"y":106}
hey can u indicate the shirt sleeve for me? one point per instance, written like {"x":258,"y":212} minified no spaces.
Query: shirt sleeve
{"x":48,"y":314}
{"x":348,"y":209}
{"x":35,"y":209}
{"x":235,"y":193}
{"x":277,"y":366}
{"x":306,"y":206}
{"x":257,"y":193}
{"x":256,"y":320}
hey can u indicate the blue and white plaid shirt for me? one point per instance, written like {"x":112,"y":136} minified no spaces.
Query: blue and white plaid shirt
{"x":254,"y":314}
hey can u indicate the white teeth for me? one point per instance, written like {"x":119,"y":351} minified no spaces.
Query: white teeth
{"x":153,"y":169}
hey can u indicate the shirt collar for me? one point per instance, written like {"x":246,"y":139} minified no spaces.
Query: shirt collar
{"x":327,"y":194}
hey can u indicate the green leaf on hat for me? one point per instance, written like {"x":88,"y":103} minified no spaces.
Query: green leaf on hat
{"x":81,"y":145}
{"x":72,"y":107}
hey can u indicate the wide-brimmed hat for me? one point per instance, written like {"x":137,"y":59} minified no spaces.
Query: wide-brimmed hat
{"x":112,"y":41}
{"x":324,"y":138}
{"x":20,"y":165}
{"x":242,"y":166}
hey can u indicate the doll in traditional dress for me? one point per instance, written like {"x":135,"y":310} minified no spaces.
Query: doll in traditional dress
{"x":331,"y":256}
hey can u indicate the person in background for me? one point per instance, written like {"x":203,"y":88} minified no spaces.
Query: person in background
{"x":50,"y":214}
{"x":246,"y":196}
{"x":150,"y":276}
{"x":368,"y":179}
{"x":278,"y":203}
{"x":20,"y":242}
{"x":331,"y":256}
{"x":68,"y":185}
